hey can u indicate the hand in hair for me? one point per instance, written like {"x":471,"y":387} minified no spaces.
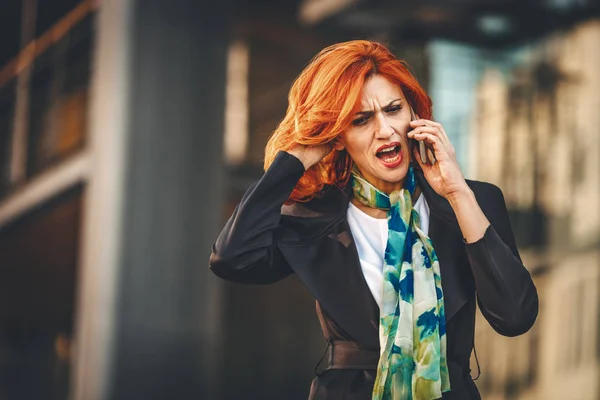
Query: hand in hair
{"x":310,"y":155}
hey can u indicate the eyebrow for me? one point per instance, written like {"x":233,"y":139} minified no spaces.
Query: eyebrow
{"x":369,"y":112}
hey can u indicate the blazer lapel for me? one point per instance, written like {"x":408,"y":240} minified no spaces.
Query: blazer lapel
{"x":446,"y":237}
{"x":371,"y":307}
{"x":330,"y":268}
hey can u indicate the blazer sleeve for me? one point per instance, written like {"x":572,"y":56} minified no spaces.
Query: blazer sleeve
{"x":506,"y":294}
{"x":245,"y":250}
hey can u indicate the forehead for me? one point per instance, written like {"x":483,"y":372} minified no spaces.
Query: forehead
{"x":379,"y":90}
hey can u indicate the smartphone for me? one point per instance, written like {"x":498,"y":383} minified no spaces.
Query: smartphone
{"x":424,"y":152}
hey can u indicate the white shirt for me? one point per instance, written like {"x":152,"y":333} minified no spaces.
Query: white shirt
{"x":370,"y":235}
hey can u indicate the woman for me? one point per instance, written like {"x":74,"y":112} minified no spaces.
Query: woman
{"x":395,"y":251}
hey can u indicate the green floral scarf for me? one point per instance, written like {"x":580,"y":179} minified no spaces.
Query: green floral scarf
{"x":412,"y":328}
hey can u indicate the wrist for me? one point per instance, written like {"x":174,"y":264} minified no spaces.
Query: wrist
{"x":471,"y":219}
{"x":300,"y":156}
{"x":462,"y":195}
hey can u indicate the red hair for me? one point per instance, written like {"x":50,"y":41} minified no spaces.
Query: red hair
{"x":323,"y":100}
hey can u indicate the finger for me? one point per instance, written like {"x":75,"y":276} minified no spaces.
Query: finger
{"x":425,"y":130}
{"x":432,"y":127}
{"x":445,"y":135}
{"x":432,"y":140}
{"x":429,"y":153}
{"x":431,"y":130}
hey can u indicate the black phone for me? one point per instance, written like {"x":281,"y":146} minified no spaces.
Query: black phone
{"x":425,"y":152}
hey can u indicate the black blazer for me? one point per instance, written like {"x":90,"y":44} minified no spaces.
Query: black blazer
{"x":264,"y":241}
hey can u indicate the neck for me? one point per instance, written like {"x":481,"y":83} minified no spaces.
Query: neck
{"x":388,"y":187}
{"x":377,"y":212}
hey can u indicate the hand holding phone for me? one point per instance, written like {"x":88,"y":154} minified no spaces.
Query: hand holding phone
{"x":425,"y":152}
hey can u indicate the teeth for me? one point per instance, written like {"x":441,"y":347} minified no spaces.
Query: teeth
{"x":388,"y":150}
{"x":392,"y":160}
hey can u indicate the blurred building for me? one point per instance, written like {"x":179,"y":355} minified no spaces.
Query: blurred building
{"x":43,"y":165}
{"x":536,"y":134}
{"x":129,"y":131}
{"x":103,"y":248}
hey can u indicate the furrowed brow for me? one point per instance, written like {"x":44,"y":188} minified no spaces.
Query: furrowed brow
{"x":370,"y":112}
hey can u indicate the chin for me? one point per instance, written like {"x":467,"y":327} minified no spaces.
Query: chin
{"x":398,"y":172}
{"x":380,"y":175}
{"x":395,"y":176}
{"x":391,"y":176}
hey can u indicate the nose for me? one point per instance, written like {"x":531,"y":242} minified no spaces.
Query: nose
{"x":383,"y":126}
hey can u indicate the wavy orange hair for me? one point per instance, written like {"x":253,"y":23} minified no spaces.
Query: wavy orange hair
{"x":323,"y":100}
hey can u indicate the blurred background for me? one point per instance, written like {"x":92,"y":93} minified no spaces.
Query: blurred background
{"x":130,"y":129}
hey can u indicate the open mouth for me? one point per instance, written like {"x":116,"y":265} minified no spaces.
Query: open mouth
{"x":390,"y":154}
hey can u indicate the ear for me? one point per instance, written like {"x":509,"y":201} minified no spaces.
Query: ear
{"x":338,"y":145}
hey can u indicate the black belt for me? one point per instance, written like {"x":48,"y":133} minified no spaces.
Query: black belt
{"x":345,"y":354}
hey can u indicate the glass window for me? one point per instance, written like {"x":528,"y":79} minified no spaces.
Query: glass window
{"x":10,"y":30}
{"x":7,"y":108}
{"x":59,"y":98}
{"x":38,"y":255}
{"x":50,"y":12}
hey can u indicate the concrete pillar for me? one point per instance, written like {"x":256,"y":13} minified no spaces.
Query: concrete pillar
{"x":148,"y":316}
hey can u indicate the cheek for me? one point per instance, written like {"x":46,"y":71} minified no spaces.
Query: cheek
{"x":402,"y":132}
{"x":402,"y":128}
{"x":356,"y":145}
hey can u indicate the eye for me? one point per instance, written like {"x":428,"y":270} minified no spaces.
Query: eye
{"x":393,"y":109}
{"x":360,"y":121}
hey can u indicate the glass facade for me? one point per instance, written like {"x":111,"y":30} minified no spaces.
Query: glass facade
{"x":59,"y":98}
{"x":49,"y":13}
{"x":38,"y":259}
{"x":7,"y":107}
{"x":43,"y":109}
{"x":10,"y":30}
